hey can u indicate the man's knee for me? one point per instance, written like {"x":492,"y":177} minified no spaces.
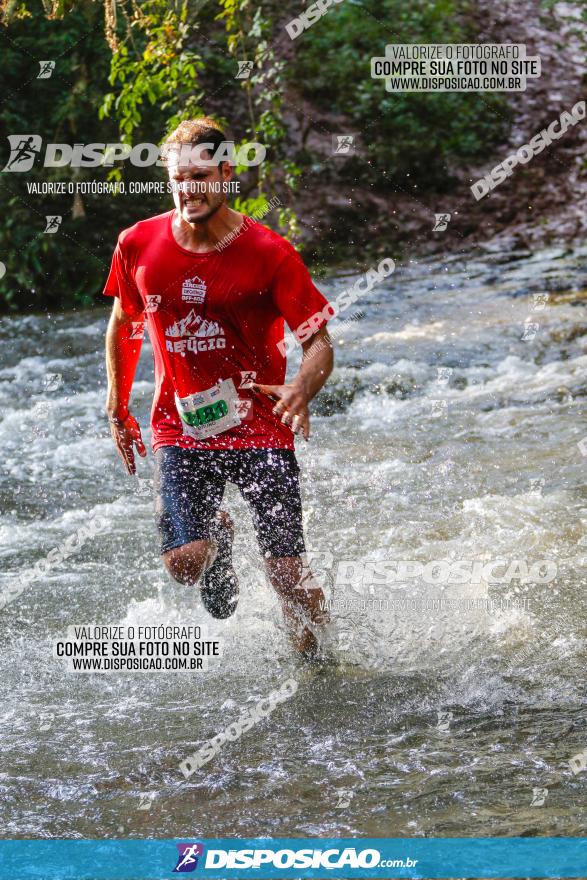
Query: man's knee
{"x":187,"y":564}
{"x":285,"y":572}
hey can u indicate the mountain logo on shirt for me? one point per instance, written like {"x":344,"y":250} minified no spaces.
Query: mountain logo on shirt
{"x":193,"y":290}
{"x":194,"y":325}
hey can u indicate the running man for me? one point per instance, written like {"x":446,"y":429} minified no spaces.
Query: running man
{"x":215,"y":288}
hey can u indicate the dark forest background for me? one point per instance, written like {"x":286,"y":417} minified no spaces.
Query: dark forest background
{"x":132,"y":69}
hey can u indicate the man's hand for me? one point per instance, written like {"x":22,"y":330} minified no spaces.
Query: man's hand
{"x":292,"y":404}
{"x":294,"y":397}
{"x":126,"y":432}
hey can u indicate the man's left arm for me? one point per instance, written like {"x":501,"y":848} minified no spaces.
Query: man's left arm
{"x":292,"y":399}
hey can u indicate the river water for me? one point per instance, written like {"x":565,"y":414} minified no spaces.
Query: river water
{"x":443,"y":436}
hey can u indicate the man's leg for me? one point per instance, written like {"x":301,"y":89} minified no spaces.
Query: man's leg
{"x":302,"y":600}
{"x":268,"y":480}
{"x":196,"y":536}
{"x":186,"y":564}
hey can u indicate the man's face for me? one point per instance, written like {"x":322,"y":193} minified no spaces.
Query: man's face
{"x":198,"y":188}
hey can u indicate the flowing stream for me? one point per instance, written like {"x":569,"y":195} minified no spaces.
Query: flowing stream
{"x":443,"y":436}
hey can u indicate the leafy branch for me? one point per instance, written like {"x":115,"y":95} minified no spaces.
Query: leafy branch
{"x":248,"y":40}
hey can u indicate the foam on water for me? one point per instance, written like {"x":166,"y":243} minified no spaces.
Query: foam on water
{"x":387,"y":476}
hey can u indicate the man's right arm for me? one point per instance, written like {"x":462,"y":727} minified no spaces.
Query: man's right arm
{"x":122,"y":356}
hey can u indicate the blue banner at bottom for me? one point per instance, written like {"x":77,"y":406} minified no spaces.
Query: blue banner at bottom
{"x":293,"y":858}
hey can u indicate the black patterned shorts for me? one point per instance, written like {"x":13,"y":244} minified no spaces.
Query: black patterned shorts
{"x":190,"y":485}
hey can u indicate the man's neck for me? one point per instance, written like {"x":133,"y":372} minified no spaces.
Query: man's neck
{"x":202,"y":237}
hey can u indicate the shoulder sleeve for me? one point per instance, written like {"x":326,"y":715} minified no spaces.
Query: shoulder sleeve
{"x":121,"y":281}
{"x":295,"y":295}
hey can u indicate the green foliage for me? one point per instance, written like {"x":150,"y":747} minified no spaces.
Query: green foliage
{"x":152,"y":67}
{"x":44,"y":270}
{"x":133,"y":69}
{"x":423,"y":135}
{"x":249,"y":32}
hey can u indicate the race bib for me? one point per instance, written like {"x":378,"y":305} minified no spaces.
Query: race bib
{"x":209,"y":412}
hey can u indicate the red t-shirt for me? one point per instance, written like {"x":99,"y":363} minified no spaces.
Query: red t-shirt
{"x":214,"y":316}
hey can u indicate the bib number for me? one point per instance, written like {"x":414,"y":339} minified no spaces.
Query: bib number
{"x":210,"y":412}
{"x":206,"y":414}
